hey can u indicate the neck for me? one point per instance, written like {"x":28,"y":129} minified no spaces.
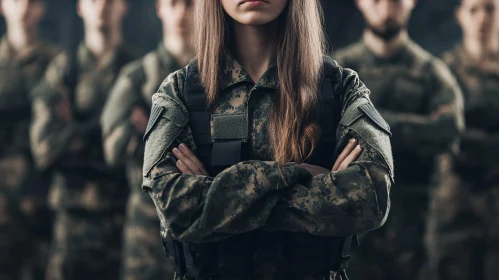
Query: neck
{"x":383,"y":48}
{"x":179,"y":46}
{"x":100,"y":43}
{"x":481,"y":52}
{"x":255,"y":47}
{"x":20,"y":38}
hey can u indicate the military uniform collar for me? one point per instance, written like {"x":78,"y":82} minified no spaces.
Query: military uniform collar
{"x":234,"y":73}
{"x":6,"y":53}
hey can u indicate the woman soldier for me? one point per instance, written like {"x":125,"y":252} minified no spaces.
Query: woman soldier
{"x":263,"y":157}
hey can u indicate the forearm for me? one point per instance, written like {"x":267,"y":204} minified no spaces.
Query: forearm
{"x":239,"y":199}
{"x":51,"y":139}
{"x":341,"y":203}
{"x":422,"y":133}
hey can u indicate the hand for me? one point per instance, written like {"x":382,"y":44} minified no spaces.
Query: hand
{"x":139,"y":119}
{"x":350,"y":154}
{"x":63,"y":110}
{"x":187,"y":162}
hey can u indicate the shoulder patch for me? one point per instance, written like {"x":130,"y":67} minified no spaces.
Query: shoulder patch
{"x":373,"y":114}
{"x":167,"y":120}
{"x":156,"y":112}
{"x":365,"y":120}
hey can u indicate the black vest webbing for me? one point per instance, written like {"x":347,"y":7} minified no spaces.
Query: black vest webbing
{"x":231,"y":258}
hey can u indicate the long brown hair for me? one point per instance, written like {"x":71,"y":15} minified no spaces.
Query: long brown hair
{"x":293,"y":127}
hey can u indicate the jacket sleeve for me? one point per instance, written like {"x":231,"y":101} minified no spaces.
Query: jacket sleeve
{"x":120,"y":138}
{"x":438,"y":129}
{"x":257,"y":194}
{"x":52,"y":137}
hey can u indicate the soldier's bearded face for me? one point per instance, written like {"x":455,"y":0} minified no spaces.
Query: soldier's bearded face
{"x":386,"y":18}
{"x":176,"y":15}
{"x":479,"y":19}
{"x":26,"y":13}
{"x":102,"y":14}
{"x":254,"y":12}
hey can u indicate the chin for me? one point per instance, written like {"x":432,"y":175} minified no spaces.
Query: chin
{"x":255,"y":18}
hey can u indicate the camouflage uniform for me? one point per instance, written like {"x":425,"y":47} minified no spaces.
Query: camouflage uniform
{"x":407,"y":89}
{"x":24,"y":216}
{"x":89,"y":197}
{"x":463,"y":231}
{"x":143,"y":257}
{"x":259,"y":196}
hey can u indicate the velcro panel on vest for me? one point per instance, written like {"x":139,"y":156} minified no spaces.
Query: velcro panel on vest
{"x":230,"y":134}
{"x":230,"y":127}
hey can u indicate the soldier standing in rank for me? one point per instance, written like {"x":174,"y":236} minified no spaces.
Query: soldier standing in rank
{"x":241,"y":154}
{"x":88,"y":196}
{"x":421,"y":101}
{"x":124,"y":121}
{"x":463,"y":231}
{"x":24,"y":217}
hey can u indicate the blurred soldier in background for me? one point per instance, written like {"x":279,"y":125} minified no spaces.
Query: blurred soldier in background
{"x":89,"y":197}
{"x":463,"y":231}
{"x":24,"y":217}
{"x":124,"y":121}
{"x":420,"y":99}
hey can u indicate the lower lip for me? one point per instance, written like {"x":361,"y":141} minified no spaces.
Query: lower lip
{"x":255,"y":3}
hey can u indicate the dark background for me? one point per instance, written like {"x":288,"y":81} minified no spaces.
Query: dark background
{"x":432,"y":25}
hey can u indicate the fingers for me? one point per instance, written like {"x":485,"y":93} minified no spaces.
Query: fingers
{"x":344,"y":154}
{"x":183,"y":168}
{"x":193,"y":158}
{"x":189,"y":160}
{"x":353,"y":156}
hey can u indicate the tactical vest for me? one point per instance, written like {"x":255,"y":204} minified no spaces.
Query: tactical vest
{"x":232,"y":258}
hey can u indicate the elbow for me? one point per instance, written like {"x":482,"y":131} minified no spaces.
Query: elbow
{"x":365,"y":202}
{"x":373,"y":213}
{"x":382,"y":191}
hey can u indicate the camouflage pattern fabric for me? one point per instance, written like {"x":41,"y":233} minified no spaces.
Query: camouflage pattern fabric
{"x":83,"y":187}
{"x":409,"y":89}
{"x":259,"y":195}
{"x":25,"y":220}
{"x":463,"y":231}
{"x":143,"y":256}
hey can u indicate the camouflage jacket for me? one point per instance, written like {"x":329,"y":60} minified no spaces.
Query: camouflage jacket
{"x":73,"y":147}
{"x":409,"y":89}
{"x":135,"y":86}
{"x":17,"y":76}
{"x":253,"y":195}
{"x":478,"y":160}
